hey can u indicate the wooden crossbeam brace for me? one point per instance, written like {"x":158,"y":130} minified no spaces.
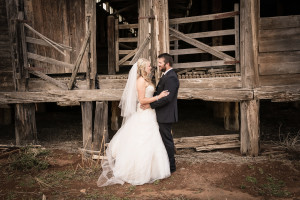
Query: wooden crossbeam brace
{"x":47,"y":78}
{"x":200,"y":45}
{"x":49,"y":60}
{"x":47,"y":40}
{"x":141,"y":49}
{"x":78,"y":60}
{"x":125,"y":58}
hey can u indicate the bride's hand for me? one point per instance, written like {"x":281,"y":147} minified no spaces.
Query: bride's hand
{"x":163,"y":94}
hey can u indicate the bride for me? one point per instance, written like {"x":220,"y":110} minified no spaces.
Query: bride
{"x":136,"y":154}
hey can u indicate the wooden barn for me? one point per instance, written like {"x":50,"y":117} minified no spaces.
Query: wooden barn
{"x":233,"y":52}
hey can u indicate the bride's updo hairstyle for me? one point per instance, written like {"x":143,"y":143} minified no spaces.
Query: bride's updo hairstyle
{"x":141,"y":69}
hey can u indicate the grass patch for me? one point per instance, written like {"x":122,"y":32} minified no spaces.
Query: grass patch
{"x":29,"y":160}
{"x":156,"y":182}
{"x":58,"y":177}
{"x":251,"y":179}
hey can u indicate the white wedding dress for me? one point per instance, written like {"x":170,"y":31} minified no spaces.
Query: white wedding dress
{"x":136,"y":154}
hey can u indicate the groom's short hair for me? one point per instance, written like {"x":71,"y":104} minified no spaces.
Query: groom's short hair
{"x":168,"y":58}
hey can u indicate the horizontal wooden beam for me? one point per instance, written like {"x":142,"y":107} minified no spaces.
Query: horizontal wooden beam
{"x":210,"y":94}
{"x":278,"y":93}
{"x":129,"y":39}
{"x":200,"y":64}
{"x":128,"y":26}
{"x":203,"y":18}
{"x":207,"y":34}
{"x":202,"y":141}
{"x":42,"y":42}
{"x":49,"y":60}
{"x":197,"y":50}
{"x":279,"y":22}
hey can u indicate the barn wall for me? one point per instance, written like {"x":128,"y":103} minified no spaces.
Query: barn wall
{"x":279,"y":50}
{"x":62,"y":21}
{"x":6,"y":73}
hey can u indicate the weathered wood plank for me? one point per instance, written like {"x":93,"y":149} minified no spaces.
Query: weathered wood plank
{"x":207,"y":34}
{"x":202,"y":141}
{"x":283,"y":79}
{"x":42,"y":42}
{"x":279,"y":44}
{"x":203,"y":18}
{"x":237,"y":37}
{"x":116,"y":37}
{"x":140,"y":50}
{"x":111,"y":45}
{"x":278,"y":93}
{"x":271,"y":34}
{"x":200,"y":45}
{"x":217,"y":94}
{"x":129,"y":39}
{"x":279,"y":68}
{"x":49,"y":60}
{"x":49,"y":79}
{"x":200,"y":64}
{"x":100,"y":133}
{"x":79,"y":59}
{"x":25,"y":124}
{"x":250,"y":134}
{"x":87,"y":124}
{"x":279,"y":22}
{"x":128,"y":26}
{"x":125,"y":58}
{"x":197,"y":50}
{"x":219,"y":146}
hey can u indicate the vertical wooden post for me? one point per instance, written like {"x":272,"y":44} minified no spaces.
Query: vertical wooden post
{"x":160,"y":31}
{"x":117,"y":44}
{"x":90,"y":14}
{"x":100,"y":125}
{"x":115,"y":112}
{"x":176,"y":45}
{"x":25,"y":125}
{"x":111,"y":44}
{"x":144,"y":26}
{"x":249,"y":74}
{"x":218,"y":109}
{"x":217,"y":24}
{"x":237,"y":37}
{"x":87,"y":123}
{"x":231,"y":116}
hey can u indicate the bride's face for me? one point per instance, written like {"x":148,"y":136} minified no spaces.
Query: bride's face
{"x":148,"y":68}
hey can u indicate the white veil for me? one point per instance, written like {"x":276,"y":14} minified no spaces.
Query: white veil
{"x":129,"y":99}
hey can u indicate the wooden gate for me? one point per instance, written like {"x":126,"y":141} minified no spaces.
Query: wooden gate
{"x":224,"y":59}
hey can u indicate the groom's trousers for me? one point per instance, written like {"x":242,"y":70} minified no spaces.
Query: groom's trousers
{"x":167,"y":138}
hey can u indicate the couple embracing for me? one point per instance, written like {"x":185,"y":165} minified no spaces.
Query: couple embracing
{"x":142,"y":150}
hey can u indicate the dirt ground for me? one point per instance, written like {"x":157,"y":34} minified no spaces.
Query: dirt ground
{"x":57,"y":170}
{"x":211,"y":175}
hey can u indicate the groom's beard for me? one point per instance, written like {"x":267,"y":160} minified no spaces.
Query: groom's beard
{"x":163,"y":69}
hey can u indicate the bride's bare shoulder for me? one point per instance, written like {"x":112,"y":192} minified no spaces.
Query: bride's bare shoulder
{"x":141,"y":80}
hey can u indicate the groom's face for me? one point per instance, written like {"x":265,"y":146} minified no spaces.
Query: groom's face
{"x":161,"y":64}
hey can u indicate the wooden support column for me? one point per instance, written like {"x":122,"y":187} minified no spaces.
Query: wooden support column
{"x":231,"y":116}
{"x":115,"y":113}
{"x":90,"y":15}
{"x":25,"y":125}
{"x":144,"y":25}
{"x":87,"y":123}
{"x":100,"y":134}
{"x":111,"y":45}
{"x":160,"y":41}
{"x":249,"y":12}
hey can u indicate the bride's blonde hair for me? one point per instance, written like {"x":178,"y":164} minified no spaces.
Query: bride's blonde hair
{"x":141,"y":70}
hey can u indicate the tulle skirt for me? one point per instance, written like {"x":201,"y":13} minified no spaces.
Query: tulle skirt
{"x":136,"y":154}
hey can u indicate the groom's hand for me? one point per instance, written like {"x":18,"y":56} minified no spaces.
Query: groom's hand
{"x":145,"y":106}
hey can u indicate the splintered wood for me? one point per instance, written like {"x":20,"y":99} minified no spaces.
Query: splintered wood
{"x":208,"y":143}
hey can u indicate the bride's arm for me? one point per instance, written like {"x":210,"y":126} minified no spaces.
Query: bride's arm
{"x":141,"y":88}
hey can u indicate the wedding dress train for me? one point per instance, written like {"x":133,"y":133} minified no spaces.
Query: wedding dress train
{"x":136,"y":154}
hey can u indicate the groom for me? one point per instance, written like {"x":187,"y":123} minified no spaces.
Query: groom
{"x":166,"y":107}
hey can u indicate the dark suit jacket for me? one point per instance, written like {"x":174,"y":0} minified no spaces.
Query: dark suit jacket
{"x":166,"y":107}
